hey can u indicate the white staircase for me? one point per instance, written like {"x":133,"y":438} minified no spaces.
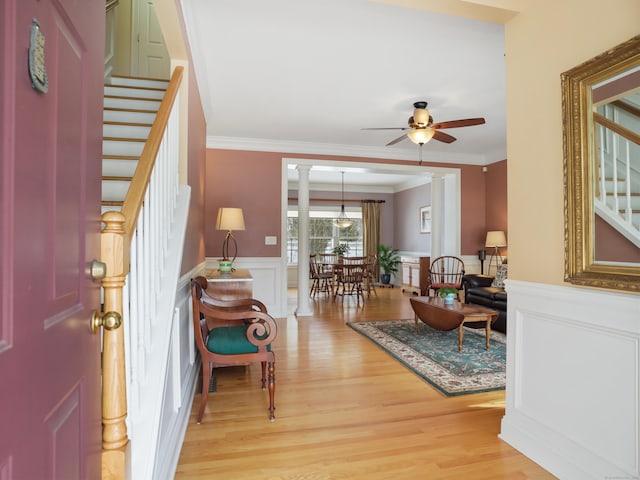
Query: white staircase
{"x":130,"y":107}
{"x":141,"y":179}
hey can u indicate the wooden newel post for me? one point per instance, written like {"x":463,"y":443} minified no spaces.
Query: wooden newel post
{"x":115,"y":253}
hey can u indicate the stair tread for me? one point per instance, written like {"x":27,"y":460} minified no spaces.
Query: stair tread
{"x":129,"y":110}
{"x":116,"y":179}
{"x":153,"y":79}
{"x":146,"y":99}
{"x":124,"y":139}
{"x":120,"y":157}
{"x":135,"y":87}
{"x":127,"y":124}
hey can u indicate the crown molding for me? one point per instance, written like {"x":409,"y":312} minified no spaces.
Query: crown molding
{"x":330,"y":187}
{"x":309,"y":148}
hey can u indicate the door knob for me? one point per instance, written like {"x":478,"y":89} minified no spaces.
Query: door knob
{"x":108,"y":320}
{"x":97,"y":270}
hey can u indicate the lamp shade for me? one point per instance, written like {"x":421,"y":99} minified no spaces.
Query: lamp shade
{"x":495,"y":238}
{"x":421,"y":135}
{"x":230,"y":219}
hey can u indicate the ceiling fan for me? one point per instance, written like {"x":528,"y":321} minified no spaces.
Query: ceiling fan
{"x":421,"y":128}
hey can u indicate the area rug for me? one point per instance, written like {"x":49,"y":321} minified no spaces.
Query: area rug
{"x":433,"y":354}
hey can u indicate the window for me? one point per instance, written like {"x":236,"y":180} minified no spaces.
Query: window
{"x":323,"y":234}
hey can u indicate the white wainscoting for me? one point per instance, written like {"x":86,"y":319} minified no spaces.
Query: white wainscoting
{"x":269,"y":281}
{"x":179,"y":385}
{"x":573,"y":380}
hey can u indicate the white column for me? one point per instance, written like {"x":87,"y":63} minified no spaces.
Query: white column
{"x":304,"y":305}
{"x":451,"y":241}
{"x":437,"y":215}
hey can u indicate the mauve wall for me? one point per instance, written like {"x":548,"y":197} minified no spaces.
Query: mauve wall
{"x":496,"y":198}
{"x":252,"y":181}
{"x":611,"y":246}
{"x":406,"y":220}
{"x":193,"y":253}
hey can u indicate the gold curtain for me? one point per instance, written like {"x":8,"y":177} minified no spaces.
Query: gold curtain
{"x":371,"y":224}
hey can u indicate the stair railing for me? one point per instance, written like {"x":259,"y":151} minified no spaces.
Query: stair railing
{"x":134,"y":246}
{"x":618,"y":181}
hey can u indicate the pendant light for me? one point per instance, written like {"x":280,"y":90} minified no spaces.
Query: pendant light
{"x":342,"y":221}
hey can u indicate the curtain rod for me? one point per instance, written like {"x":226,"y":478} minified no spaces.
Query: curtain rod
{"x":337,"y":200}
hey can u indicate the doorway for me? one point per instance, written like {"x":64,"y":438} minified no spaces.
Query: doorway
{"x":449,"y":195}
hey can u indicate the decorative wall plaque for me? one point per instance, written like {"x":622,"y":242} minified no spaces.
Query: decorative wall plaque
{"x":37,"y":68}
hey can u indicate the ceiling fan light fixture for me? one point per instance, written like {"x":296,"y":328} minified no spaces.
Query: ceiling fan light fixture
{"x":421,"y":117}
{"x":421,"y":136}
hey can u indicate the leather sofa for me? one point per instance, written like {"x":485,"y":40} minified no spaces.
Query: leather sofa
{"x":478,"y":291}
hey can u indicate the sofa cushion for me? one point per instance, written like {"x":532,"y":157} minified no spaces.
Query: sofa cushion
{"x":489,"y":293}
{"x":500,"y":296}
{"x":501,"y":276}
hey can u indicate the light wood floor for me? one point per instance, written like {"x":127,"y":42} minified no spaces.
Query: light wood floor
{"x":346,"y":410}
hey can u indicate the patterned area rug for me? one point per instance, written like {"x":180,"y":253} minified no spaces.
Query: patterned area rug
{"x":433,"y":354}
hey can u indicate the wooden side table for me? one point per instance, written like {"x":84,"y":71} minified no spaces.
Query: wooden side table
{"x":235,"y":285}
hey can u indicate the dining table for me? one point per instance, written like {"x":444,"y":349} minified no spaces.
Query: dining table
{"x":333,"y":263}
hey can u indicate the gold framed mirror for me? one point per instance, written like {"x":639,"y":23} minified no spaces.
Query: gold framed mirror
{"x":601,"y":139}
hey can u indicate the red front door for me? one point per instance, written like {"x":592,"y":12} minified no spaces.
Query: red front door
{"x":50,"y":147}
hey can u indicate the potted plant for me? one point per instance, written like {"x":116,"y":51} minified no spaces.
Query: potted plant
{"x":448,"y":293}
{"x":389,"y":261}
{"x":341,"y":249}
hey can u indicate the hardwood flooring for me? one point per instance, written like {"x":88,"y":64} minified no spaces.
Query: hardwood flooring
{"x":346,"y":410}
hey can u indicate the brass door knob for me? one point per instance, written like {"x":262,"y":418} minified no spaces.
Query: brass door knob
{"x":97,"y":270}
{"x":108,"y":320}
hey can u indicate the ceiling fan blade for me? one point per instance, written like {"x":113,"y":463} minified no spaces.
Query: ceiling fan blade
{"x":387,"y":128}
{"x":399,"y":139}
{"x":467,"y":122}
{"x":443,"y":137}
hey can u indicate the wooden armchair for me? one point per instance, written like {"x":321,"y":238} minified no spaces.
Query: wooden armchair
{"x":446,"y":271}
{"x":234,"y":332}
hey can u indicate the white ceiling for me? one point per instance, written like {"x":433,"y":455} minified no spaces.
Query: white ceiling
{"x":306,"y":76}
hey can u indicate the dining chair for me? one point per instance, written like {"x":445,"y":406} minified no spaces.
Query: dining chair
{"x":446,"y":271}
{"x":321,"y":279}
{"x":349,"y":281}
{"x":368,"y":276}
{"x":236,"y":332}
{"x":372,"y":274}
{"x":327,"y":261}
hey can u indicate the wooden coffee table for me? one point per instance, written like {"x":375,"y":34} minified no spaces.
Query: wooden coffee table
{"x":448,"y":316}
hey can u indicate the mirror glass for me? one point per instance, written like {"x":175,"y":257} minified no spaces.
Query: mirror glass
{"x":601,"y":110}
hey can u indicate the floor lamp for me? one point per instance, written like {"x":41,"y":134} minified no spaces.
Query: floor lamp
{"x":229,"y":219}
{"x":495,"y":240}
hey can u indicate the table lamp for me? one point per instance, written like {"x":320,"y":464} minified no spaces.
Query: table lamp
{"x":495,"y":239}
{"x":229,"y":219}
